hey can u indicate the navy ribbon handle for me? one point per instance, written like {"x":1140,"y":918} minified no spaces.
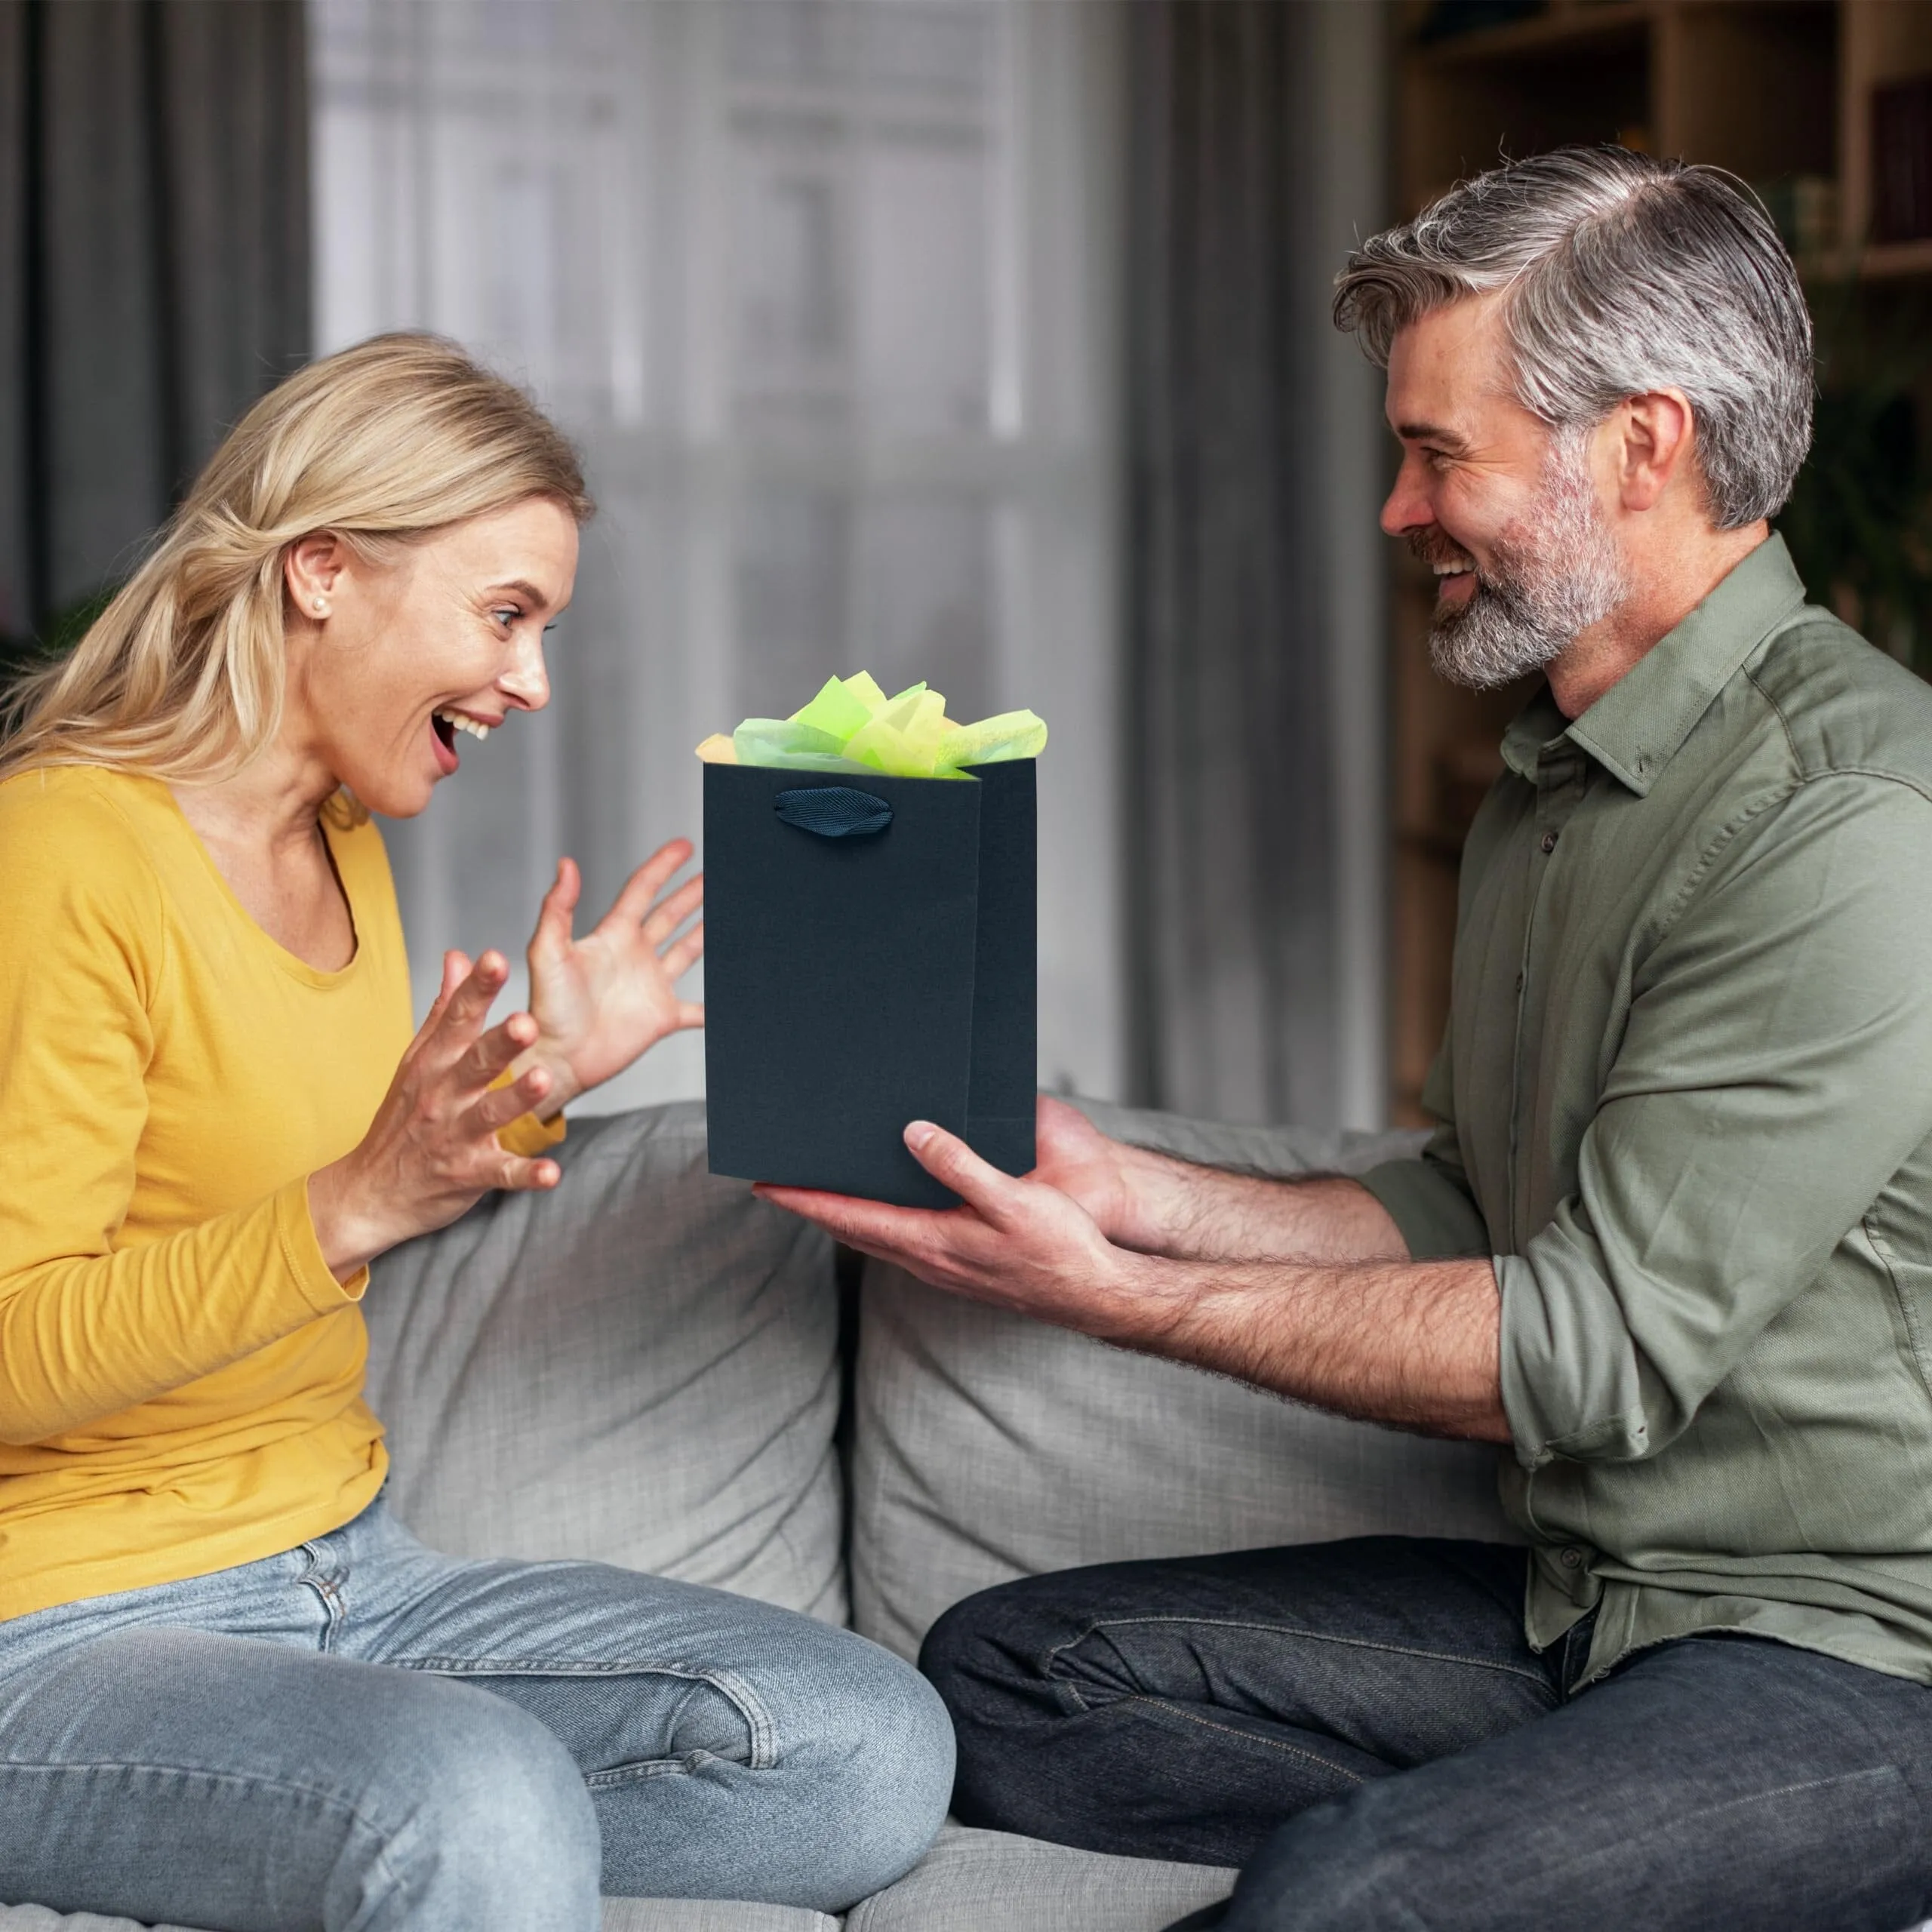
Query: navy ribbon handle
{"x":833,"y":811}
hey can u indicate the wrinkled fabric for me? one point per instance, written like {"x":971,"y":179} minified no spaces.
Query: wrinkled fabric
{"x":1686,"y":1103}
{"x":362,"y":1732}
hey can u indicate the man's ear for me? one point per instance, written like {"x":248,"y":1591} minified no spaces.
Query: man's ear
{"x":311,"y":569}
{"x":1655,"y":433}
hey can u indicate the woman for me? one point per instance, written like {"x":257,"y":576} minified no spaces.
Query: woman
{"x":233,"y":1691}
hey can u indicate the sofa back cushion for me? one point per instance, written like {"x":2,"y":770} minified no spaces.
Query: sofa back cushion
{"x":642,"y":1367}
{"x":990,"y":1447}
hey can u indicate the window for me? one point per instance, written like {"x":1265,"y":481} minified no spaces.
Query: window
{"x":825,"y":291}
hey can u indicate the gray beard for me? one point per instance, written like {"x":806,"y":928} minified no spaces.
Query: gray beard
{"x":1552,"y":574}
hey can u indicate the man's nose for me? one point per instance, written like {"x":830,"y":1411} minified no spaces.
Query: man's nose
{"x":1407,"y":506}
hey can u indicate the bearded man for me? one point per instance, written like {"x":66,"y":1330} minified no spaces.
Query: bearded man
{"x":1670,"y":1247}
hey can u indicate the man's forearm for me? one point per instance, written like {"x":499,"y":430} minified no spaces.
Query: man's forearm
{"x":1190,"y":1213}
{"x":1415,"y":1345}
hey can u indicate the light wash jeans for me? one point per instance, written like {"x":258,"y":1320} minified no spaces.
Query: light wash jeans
{"x":362,"y":1733}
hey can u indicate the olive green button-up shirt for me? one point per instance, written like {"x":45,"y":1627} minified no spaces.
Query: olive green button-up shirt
{"x":1686,"y":1103}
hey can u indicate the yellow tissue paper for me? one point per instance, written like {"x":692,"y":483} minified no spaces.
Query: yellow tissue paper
{"x":852,"y":726}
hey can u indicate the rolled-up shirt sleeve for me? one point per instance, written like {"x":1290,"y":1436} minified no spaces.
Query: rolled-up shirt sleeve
{"x":1777,"y":1070}
{"x":1428,"y":1196}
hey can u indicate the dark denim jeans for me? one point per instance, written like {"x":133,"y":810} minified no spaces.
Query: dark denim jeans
{"x":1362,"y":1726}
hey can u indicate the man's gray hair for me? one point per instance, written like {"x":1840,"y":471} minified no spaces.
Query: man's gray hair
{"x":1623,"y":273}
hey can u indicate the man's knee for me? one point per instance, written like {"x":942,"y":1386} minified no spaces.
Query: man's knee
{"x":484,"y":1819}
{"x":1330,"y":1869}
{"x":994,"y":1650}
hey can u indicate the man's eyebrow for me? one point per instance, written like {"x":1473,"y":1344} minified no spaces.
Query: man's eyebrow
{"x":1431,"y":432}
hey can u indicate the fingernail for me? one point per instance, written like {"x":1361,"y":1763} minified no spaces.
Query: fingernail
{"x":918,"y":1134}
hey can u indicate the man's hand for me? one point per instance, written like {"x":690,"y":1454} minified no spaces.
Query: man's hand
{"x":1029,"y":1245}
{"x":601,"y":1001}
{"x":1415,"y":1344}
{"x":1085,"y":1164}
{"x":1160,"y":1205}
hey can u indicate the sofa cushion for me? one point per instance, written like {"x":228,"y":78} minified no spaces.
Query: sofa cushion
{"x":992,"y":1881}
{"x":707,"y":1915}
{"x":990,"y":1447}
{"x":619,"y":1915}
{"x":43,"y":1918}
{"x":641,"y":1366}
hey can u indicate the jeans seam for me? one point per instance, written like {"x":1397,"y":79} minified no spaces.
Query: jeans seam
{"x":326,"y":1592}
{"x":250,"y":1780}
{"x":615,"y":1776}
{"x":734,"y":1689}
{"x":1249,"y":1737}
{"x":1099,"y":1626}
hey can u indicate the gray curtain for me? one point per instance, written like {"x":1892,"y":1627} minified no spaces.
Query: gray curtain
{"x":1232,"y":783}
{"x":154,"y":265}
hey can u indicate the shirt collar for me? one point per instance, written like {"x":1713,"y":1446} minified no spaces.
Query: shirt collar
{"x":1637,"y":727}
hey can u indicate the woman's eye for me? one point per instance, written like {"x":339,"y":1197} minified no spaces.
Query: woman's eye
{"x":506,"y":615}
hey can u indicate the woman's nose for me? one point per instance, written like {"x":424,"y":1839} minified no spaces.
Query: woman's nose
{"x":527,"y":682}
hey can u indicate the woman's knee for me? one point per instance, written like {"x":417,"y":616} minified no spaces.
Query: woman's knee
{"x":871,"y":1754}
{"x":484,"y":1819}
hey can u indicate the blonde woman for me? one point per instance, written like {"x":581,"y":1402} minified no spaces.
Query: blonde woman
{"x":234,"y":1692}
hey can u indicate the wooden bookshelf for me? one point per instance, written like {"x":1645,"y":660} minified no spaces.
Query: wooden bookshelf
{"x":1776,"y":91}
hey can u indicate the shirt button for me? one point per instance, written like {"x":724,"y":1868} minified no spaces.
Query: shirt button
{"x":1571,"y":1559}
{"x":1549,"y":841}
{"x":1519,"y":983}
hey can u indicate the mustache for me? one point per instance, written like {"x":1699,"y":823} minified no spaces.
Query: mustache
{"x":1434,"y":545}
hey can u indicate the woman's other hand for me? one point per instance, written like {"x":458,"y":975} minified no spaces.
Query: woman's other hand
{"x":601,"y":1001}
{"x":432,"y":1151}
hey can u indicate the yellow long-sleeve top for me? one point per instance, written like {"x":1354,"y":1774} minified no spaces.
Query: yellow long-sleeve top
{"x":180,"y":1373}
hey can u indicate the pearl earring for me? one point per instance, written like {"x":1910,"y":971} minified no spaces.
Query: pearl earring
{"x":320,"y":606}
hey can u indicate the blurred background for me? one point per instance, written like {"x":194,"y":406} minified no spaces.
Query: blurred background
{"x":981,"y":341}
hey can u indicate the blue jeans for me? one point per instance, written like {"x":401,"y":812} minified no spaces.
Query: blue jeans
{"x":1362,"y":1726}
{"x":363,"y":1733}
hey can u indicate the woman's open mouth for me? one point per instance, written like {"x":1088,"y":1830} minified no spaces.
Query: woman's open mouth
{"x":445,"y":724}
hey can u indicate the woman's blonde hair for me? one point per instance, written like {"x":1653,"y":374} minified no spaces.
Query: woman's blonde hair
{"x":182,"y":676}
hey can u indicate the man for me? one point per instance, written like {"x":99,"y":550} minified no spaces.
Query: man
{"x":1671,"y":1248}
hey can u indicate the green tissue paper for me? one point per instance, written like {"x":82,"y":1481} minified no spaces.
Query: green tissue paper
{"x":851,"y":726}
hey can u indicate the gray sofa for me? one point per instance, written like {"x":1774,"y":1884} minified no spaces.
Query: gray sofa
{"x":691,"y":1389}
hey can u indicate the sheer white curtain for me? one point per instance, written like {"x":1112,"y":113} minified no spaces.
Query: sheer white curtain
{"x":825,"y":291}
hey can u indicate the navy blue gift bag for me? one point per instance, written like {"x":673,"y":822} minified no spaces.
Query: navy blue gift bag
{"x":870,"y":959}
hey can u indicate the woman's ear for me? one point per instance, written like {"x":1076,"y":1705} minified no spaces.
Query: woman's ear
{"x":312,"y":568}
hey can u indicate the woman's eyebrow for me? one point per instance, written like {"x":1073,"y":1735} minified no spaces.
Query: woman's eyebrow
{"x":519,"y":587}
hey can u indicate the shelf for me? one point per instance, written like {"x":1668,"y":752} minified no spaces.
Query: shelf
{"x":1887,"y":261}
{"x":1773,"y":90}
{"x":1879,"y":261}
{"x":1583,"y":28}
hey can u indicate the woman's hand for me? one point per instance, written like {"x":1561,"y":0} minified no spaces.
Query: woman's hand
{"x":432,"y":1151}
{"x":601,"y":1001}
